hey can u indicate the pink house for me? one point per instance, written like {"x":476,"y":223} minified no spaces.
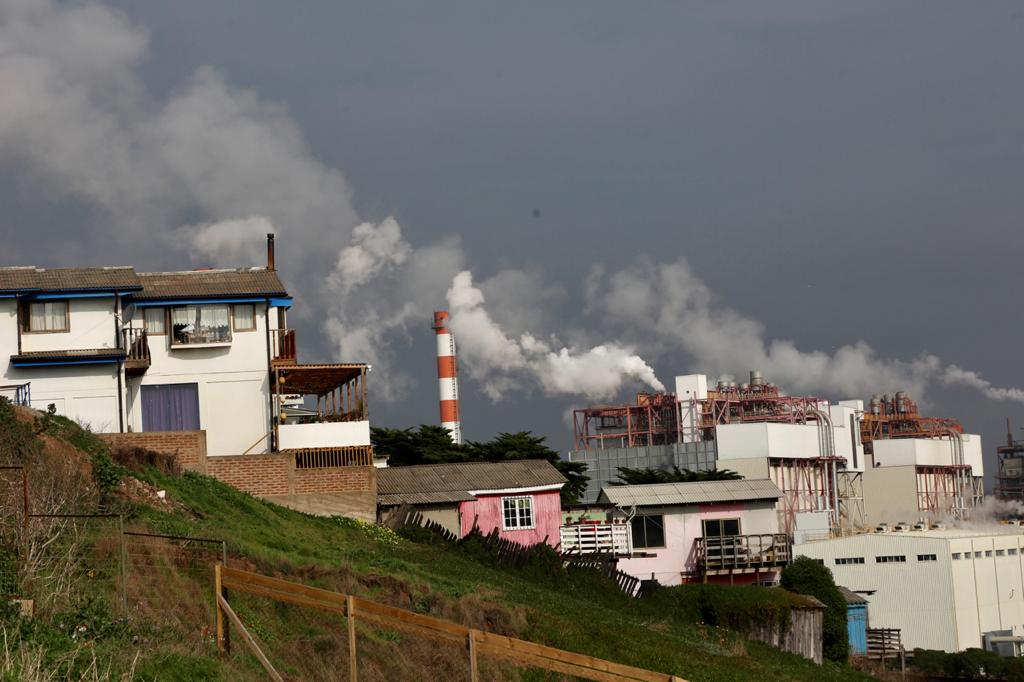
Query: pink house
{"x":521,"y":498}
{"x":712,"y":531}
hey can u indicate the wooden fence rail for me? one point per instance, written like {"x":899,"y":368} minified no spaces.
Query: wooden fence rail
{"x":477,"y":642}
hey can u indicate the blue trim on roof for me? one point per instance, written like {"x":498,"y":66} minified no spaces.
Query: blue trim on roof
{"x":163,"y":303}
{"x":81,"y":294}
{"x":66,"y":361}
{"x":281,"y":302}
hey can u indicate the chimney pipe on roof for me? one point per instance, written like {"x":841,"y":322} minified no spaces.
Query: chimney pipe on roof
{"x":270,"y":251}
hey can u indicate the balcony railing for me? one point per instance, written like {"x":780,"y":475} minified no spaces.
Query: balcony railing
{"x":136,"y":348}
{"x":742,"y":553}
{"x":596,"y":538}
{"x":283,"y":351}
{"x":19,"y":394}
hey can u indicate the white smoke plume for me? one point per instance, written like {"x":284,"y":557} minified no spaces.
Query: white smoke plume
{"x":502,"y":363}
{"x":203,"y":173}
{"x":78,"y":120}
{"x":674,"y":310}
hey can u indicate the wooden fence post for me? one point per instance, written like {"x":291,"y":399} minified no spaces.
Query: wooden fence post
{"x":474,"y":670}
{"x":124,"y":565}
{"x":353,"y":663}
{"x":223,"y":645}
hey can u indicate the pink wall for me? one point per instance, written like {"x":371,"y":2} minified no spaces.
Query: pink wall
{"x":486,"y":509}
{"x":683,"y":525}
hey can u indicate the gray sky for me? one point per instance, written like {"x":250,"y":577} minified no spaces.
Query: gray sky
{"x":839,"y":172}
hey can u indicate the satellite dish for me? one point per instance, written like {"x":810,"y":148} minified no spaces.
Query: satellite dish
{"x":128,"y":312}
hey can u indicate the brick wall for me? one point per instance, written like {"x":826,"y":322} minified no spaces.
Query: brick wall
{"x":188,"y":447}
{"x":335,"y":479}
{"x":266,"y":475}
{"x":257,"y":474}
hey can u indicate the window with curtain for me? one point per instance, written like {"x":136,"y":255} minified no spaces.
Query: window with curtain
{"x":51,"y":316}
{"x":155,"y":321}
{"x":199,"y":324}
{"x":245,"y":317}
{"x":517,"y":512}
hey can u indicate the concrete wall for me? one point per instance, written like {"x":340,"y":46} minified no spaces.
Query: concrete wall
{"x":801,"y":441}
{"x":486,"y":511}
{"x":188,"y":447}
{"x":683,"y":525}
{"x":326,"y":434}
{"x":890,"y":494}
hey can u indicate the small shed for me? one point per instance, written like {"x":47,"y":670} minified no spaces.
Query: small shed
{"x":856,"y":621}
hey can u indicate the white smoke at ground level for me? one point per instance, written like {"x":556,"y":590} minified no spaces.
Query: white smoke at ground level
{"x":501,"y":363}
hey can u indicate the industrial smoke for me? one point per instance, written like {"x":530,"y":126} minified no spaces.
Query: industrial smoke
{"x":77,"y":119}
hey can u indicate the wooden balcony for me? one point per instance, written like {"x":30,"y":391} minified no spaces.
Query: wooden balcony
{"x":283,"y":351}
{"x":742,"y":553}
{"x":136,"y":348}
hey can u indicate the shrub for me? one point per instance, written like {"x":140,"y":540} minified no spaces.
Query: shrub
{"x":807,"y":576}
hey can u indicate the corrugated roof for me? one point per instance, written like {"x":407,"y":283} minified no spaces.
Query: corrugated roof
{"x":423,"y":498}
{"x":852,"y":597}
{"x":209,"y":284}
{"x":121,"y":278}
{"x":73,"y":354}
{"x":689,"y":493}
{"x":429,"y":483}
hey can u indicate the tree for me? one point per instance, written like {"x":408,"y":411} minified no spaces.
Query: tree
{"x":629,"y":476}
{"x":430,"y":444}
{"x":807,"y":576}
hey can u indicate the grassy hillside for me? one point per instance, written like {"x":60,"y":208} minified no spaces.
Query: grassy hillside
{"x":164,"y":637}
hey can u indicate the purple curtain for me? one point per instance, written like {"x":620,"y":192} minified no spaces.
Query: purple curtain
{"x":170,"y":407}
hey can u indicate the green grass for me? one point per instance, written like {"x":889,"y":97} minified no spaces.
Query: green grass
{"x":577,"y":613}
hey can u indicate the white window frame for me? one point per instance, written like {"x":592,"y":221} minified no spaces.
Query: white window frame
{"x":533,"y":513}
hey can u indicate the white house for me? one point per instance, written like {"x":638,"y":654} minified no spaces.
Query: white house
{"x":711,"y":531}
{"x":203,"y":351}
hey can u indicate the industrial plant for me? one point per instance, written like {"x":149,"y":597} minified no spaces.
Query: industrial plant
{"x":840,"y":466}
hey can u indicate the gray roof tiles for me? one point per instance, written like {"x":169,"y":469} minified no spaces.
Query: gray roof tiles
{"x":438,"y":483}
{"x":32,"y":279}
{"x":704,"y":492}
{"x":210,"y":283}
{"x":145,"y":285}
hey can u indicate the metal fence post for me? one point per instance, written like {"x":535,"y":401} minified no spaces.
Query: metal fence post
{"x":124,"y":565}
{"x":353,"y":663}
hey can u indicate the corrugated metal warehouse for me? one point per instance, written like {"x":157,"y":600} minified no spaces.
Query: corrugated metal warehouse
{"x":944,"y":589}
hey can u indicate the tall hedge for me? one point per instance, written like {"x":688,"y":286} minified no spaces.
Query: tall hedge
{"x":807,"y":576}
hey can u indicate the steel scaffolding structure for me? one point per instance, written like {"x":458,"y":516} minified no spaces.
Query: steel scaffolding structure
{"x":652,"y":420}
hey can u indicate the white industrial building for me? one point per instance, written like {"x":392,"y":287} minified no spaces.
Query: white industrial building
{"x":841,"y":465}
{"x":943,"y":588}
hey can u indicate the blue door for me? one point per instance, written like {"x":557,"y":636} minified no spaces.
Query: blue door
{"x":857,"y":626}
{"x":170,"y":407}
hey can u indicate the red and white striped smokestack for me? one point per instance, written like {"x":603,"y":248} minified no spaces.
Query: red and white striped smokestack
{"x":447,"y":376}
